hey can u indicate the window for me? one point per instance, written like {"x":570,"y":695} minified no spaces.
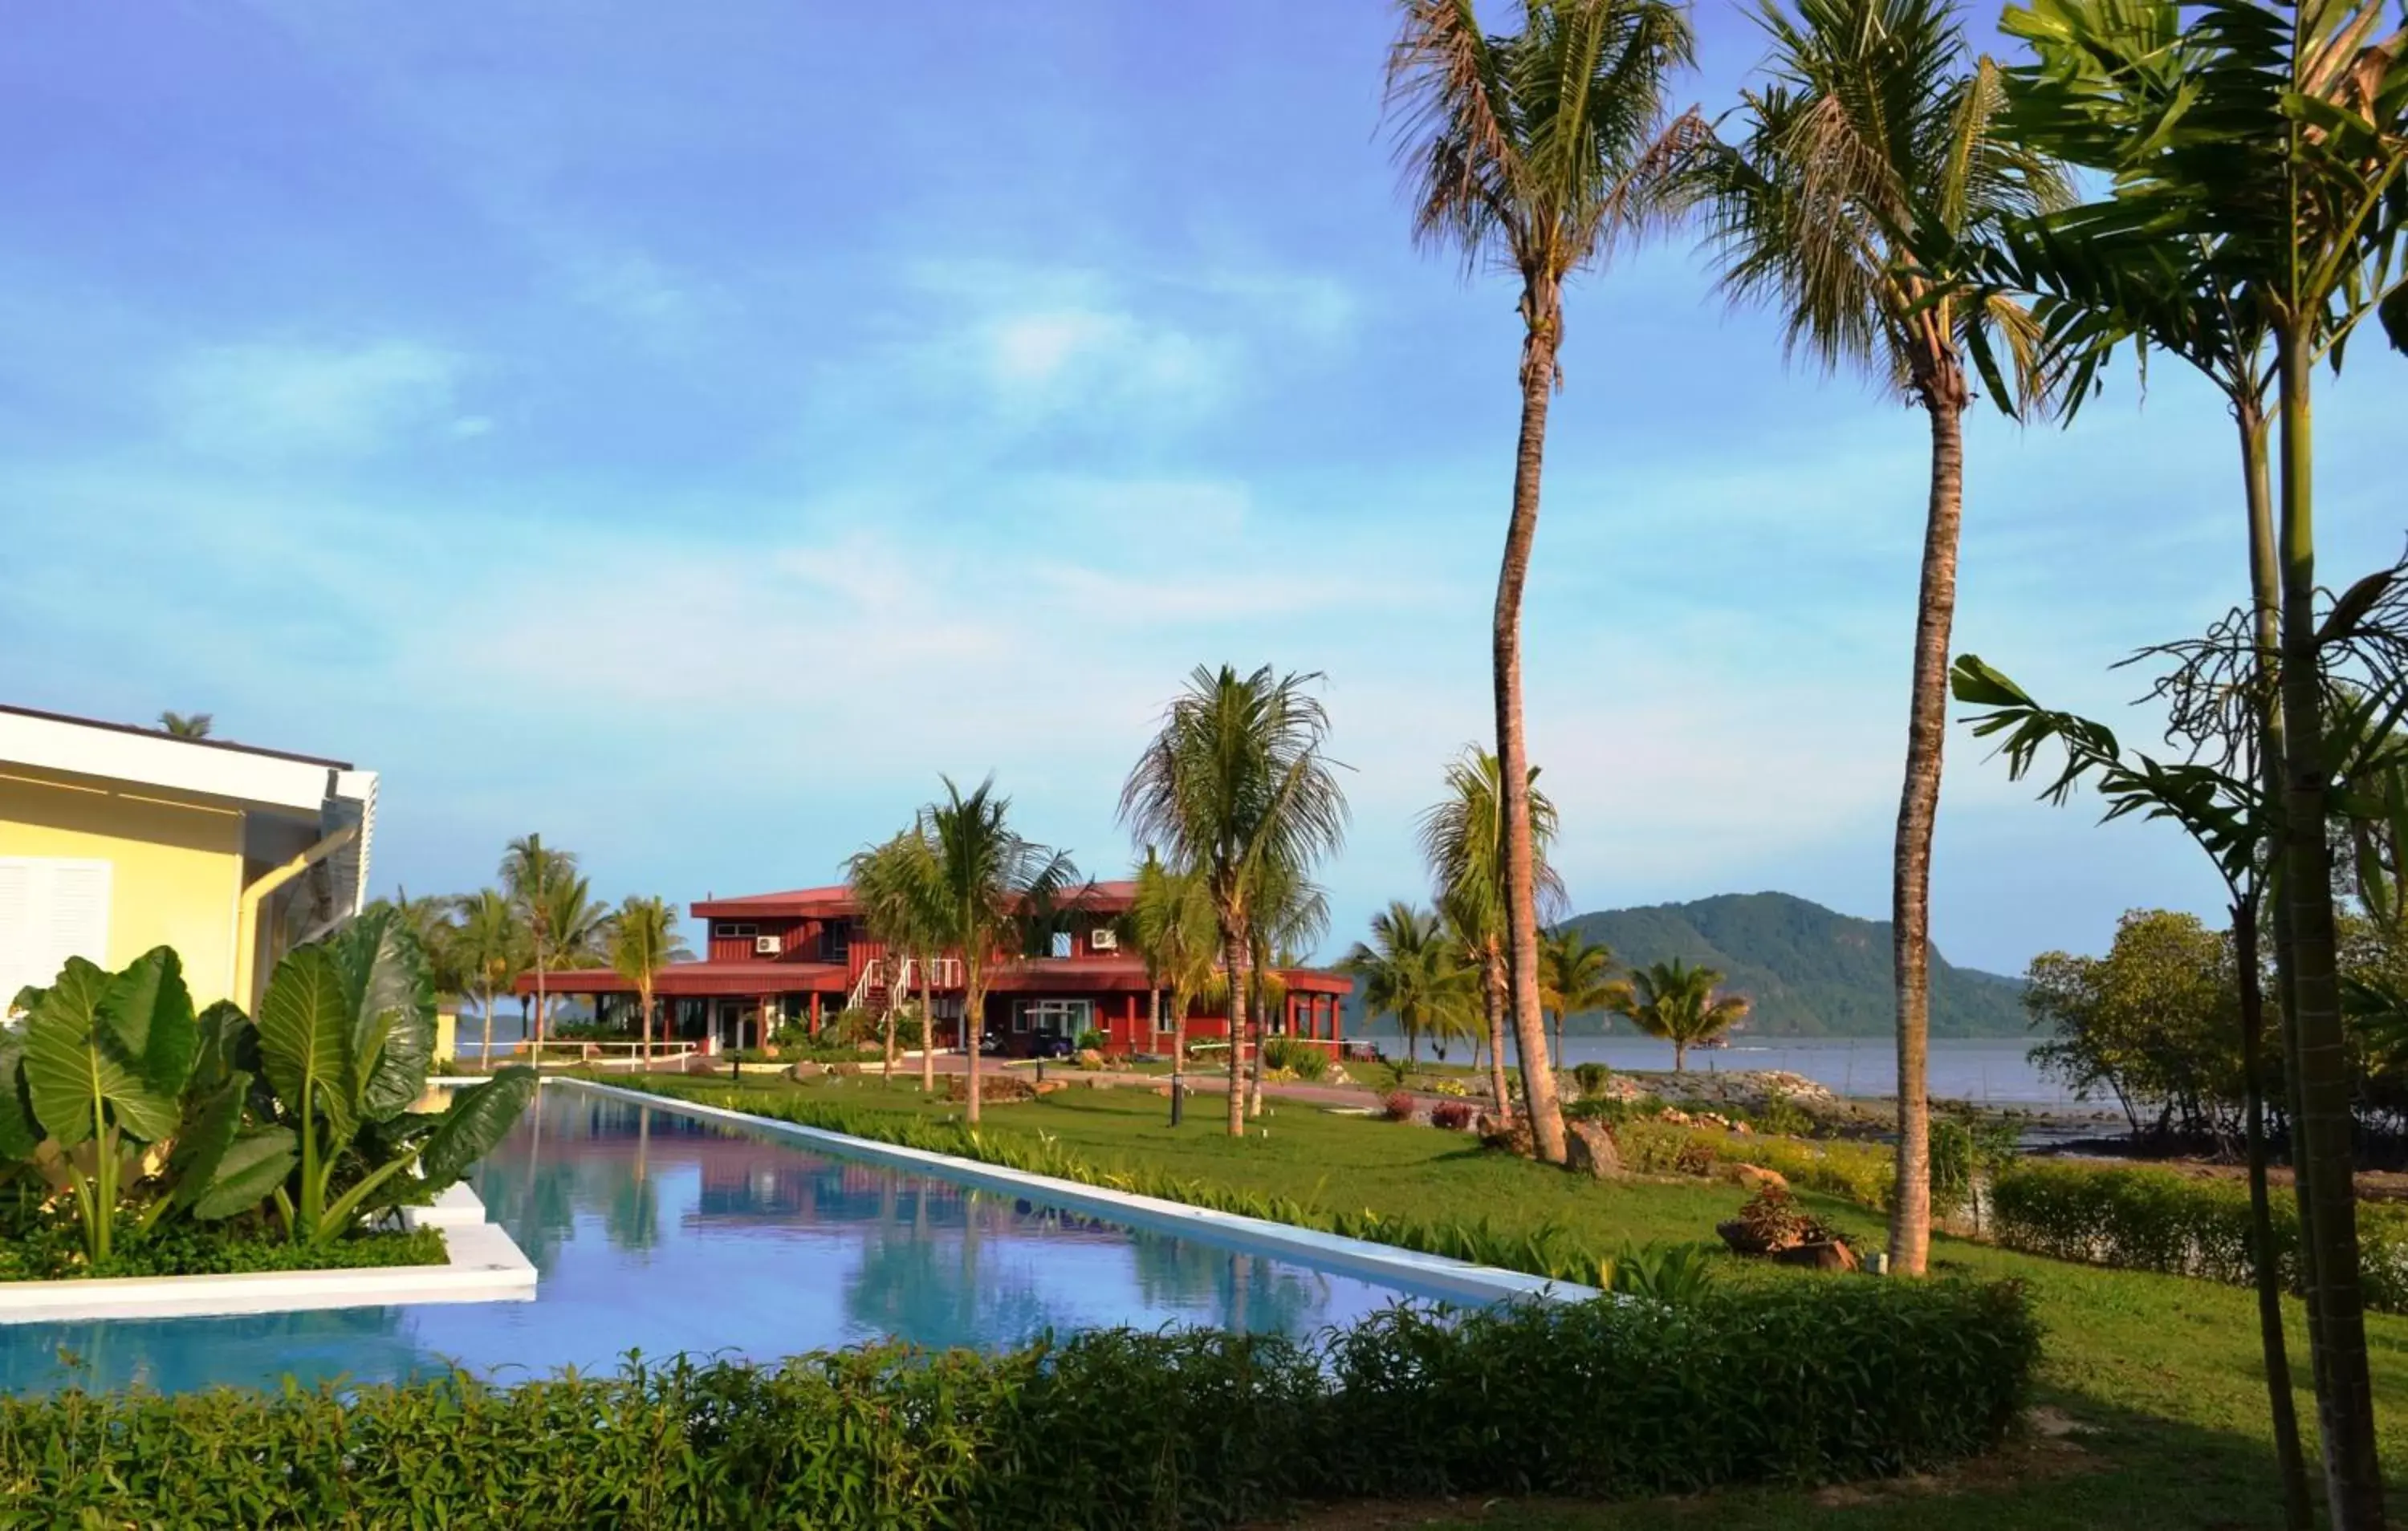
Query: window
{"x":730,"y":930}
{"x":1019,"y":1018}
{"x":51,"y":908}
{"x":1061,"y":943}
{"x":1054,"y":1017}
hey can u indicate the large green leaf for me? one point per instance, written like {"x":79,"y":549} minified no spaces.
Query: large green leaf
{"x":247,"y":1173}
{"x":78,"y":1075}
{"x":201,"y":1142}
{"x":150,"y":1011}
{"x":393,"y":1036}
{"x":229,"y":1046}
{"x":305,"y":1036}
{"x":478,"y":1119}
{"x":20,"y":1133}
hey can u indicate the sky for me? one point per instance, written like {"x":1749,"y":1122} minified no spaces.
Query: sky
{"x":687,"y":431}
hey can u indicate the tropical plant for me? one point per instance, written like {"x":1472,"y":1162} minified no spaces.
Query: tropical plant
{"x":493,"y":949}
{"x":1540,"y":152}
{"x":1875,"y":131}
{"x":1408,"y":972}
{"x":989,"y":883}
{"x":430,"y":920}
{"x":186,"y":725}
{"x":1237,"y":785}
{"x":1465,"y":842}
{"x":531,"y":875}
{"x":642,"y":938}
{"x":897,"y":885}
{"x":1170,"y":922}
{"x":1290,"y":915}
{"x":1575,"y":976}
{"x":1679,"y":1004}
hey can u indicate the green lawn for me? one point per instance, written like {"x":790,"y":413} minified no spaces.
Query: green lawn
{"x":2151,"y":1384}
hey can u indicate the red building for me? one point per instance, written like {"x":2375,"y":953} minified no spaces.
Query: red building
{"x":800,"y":957}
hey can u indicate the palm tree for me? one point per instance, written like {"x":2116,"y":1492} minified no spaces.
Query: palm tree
{"x":641,"y":937}
{"x":1475,"y":931}
{"x":1171,"y":925}
{"x":988,"y":883}
{"x":493,"y":948}
{"x":1678,"y":1003}
{"x":1575,"y":976}
{"x":1236,"y":784}
{"x":1464,"y":839}
{"x":1876,"y":134}
{"x":895,"y":881}
{"x":1537,"y":151}
{"x":531,"y":873}
{"x":185,"y":726}
{"x":1408,"y":973}
{"x":428,"y":920}
{"x":1290,"y":915}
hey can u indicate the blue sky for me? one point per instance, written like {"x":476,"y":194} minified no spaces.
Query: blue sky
{"x":687,"y":430}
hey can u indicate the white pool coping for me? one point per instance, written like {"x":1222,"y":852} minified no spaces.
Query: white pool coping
{"x":1455,"y":1280}
{"x":483,"y":1264}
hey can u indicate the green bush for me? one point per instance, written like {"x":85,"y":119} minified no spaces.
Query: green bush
{"x":1862,"y":1173}
{"x":2158,"y":1220}
{"x":1089,"y":1040}
{"x":1808,"y":1382}
{"x":53,"y":1253}
{"x":1592,"y":1078}
{"x":1301,"y":1058}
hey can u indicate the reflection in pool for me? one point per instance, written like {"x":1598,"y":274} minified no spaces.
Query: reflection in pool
{"x":659,"y":1233}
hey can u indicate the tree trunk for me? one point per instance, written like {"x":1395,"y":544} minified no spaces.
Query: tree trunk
{"x":1491,"y":995}
{"x":485,"y":1057}
{"x":1910,"y":1223}
{"x":644,"y":999}
{"x":974,"y":1015}
{"x":1542,"y":313}
{"x":1254,"y":1064}
{"x":898,"y":995}
{"x":541,"y":1008}
{"x":2288,"y":1458}
{"x":1233,"y":956}
{"x":2322,"y":1134}
{"x":927,"y":1033}
{"x":1679,"y":1056}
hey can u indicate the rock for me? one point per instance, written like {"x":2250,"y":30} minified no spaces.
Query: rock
{"x":1823,"y":1255}
{"x":1741,"y":1238}
{"x":1756,"y":1176}
{"x":1046,"y":1087}
{"x":1588,"y":1150}
{"x":1511,"y":1134}
{"x":1090,"y":1058}
{"x":804,"y":1070}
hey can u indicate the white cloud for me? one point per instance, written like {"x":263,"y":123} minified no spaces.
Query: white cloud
{"x":281,"y":401}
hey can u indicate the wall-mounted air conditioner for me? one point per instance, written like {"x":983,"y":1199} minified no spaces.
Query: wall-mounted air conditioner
{"x":1104,"y":938}
{"x":768,"y":946}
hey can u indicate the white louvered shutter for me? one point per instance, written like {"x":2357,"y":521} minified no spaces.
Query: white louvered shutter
{"x":51,"y":910}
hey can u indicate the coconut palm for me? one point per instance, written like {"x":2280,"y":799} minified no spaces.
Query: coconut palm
{"x":1291,"y":915}
{"x":1171,"y":925}
{"x":1540,"y":152}
{"x":1238,"y":785}
{"x":1875,"y":142}
{"x":1575,"y":976}
{"x":988,"y":884}
{"x":493,"y":948}
{"x":1408,"y":973}
{"x":641,"y":937}
{"x":185,"y":726}
{"x":531,"y":874}
{"x":1679,"y":1004}
{"x":895,"y":881}
{"x":429,"y":920}
{"x":1464,"y":840}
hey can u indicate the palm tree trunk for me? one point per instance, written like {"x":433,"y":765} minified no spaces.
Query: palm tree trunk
{"x":644,"y":999}
{"x":1234,"y":957}
{"x":1542,"y":311}
{"x":927,"y":1032}
{"x":1679,"y":1056}
{"x":2322,"y":1135}
{"x":1491,"y":995}
{"x":1254,"y":1064}
{"x":485,"y":1054}
{"x":1910,"y":1222}
{"x":973,"y":1011}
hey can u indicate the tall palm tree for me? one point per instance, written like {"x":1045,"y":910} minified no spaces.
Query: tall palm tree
{"x":641,"y":937}
{"x":494,"y":950}
{"x":1575,"y":976}
{"x":186,"y":725}
{"x":531,"y":874}
{"x":1475,"y":929}
{"x":1876,"y":130}
{"x":1291,"y":915}
{"x":1238,"y":784}
{"x":1465,"y":841}
{"x":1171,"y":925}
{"x":1539,"y":153}
{"x":989,"y":882}
{"x":1408,"y":973}
{"x":1679,"y":1004}
{"x":429,"y":920}
{"x":896,"y":883}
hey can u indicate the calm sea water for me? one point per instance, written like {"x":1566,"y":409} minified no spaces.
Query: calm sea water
{"x":658,"y":1232}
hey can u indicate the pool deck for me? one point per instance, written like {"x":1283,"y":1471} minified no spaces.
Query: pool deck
{"x":1453,"y":1280}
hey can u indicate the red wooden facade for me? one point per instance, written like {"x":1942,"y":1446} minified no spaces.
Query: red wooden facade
{"x":802,"y":956}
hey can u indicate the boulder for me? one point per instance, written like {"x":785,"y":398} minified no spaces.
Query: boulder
{"x":804,"y":1070}
{"x":1090,"y":1058}
{"x":1588,"y":1150}
{"x":1822,"y":1255}
{"x":1755,"y":1177}
{"x":1511,"y":1134}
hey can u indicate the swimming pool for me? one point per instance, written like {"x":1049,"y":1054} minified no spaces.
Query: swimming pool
{"x":656,"y":1231}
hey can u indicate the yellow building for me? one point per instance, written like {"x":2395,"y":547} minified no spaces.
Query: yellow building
{"x":114,"y":839}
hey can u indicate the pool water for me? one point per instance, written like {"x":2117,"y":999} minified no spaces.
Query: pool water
{"x":658,"y":1232}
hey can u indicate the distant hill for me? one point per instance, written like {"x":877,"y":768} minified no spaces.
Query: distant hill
{"x":1810,"y":971}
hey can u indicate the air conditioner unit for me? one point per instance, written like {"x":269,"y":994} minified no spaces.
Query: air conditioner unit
{"x":768,"y":946}
{"x":1104,"y":938}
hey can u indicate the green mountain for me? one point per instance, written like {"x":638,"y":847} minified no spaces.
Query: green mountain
{"x":1810,"y":971}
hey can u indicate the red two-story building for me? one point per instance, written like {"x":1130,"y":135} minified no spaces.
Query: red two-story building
{"x":800,"y":957}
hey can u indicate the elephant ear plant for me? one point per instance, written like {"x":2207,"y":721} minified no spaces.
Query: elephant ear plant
{"x":114,"y":1094}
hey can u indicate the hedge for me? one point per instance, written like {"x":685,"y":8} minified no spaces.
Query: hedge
{"x":1806,"y":1382}
{"x":2183,"y":1226}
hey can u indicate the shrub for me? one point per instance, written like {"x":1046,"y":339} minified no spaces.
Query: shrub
{"x":1861,"y":1173}
{"x":1678,"y":1274}
{"x":1301,"y":1058}
{"x":1592,"y":1079}
{"x":1807,"y":1382}
{"x":1398,"y":1106}
{"x":1452,"y":1115}
{"x":1092,"y":1041}
{"x":1783,"y":1117}
{"x":2158,"y":1220}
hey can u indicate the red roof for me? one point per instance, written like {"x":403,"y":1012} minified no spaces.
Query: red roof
{"x":820,"y":903}
{"x":1028,"y":975}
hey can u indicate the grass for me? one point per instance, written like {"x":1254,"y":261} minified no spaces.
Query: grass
{"x":56,"y":1253}
{"x":2152,"y":1384}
